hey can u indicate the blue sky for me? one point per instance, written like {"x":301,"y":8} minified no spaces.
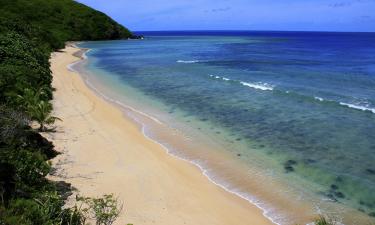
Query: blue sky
{"x":317,"y":15}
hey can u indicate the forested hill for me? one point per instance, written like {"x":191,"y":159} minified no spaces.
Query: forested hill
{"x":57,"y":21}
{"x":30,"y":30}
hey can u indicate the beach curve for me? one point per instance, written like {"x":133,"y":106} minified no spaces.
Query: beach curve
{"x":105,"y":152}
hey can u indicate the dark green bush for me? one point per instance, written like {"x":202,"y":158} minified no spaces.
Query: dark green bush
{"x":25,"y":211}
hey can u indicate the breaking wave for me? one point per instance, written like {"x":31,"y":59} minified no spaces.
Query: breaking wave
{"x":187,"y":61}
{"x":257,"y":85}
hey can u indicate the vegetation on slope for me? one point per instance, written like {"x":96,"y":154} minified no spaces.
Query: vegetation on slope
{"x":54,"y":22}
{"x":29,"y":31}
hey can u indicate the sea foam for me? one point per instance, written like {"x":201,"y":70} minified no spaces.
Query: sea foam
{"x":221,"y":78}
{"x":363,"y":108}
{"x":319,"y":99}
{"x":188,"y":61}
{"x":258,"y":85}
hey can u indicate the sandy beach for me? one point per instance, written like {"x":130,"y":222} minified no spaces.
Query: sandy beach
{"x":105,"y":152}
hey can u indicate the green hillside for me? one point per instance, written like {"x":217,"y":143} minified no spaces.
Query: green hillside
{"x":29,"y":31}
{"x":58,"y":21}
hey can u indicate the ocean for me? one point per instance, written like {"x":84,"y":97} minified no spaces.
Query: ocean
{"x":285,"y":120}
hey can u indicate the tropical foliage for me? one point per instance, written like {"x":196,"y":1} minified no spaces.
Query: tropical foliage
{"x":104,"y":210}
{"x":29,"y":31}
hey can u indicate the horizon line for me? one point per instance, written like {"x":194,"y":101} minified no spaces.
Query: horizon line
{"x":234,"y":30}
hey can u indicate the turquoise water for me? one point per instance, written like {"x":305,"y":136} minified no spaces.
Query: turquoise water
{"x":305,"y":101}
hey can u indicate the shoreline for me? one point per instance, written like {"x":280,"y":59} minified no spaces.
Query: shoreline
{"x":128,"y":112}
{"x":92,"y":113}
{"x":277,"y":208}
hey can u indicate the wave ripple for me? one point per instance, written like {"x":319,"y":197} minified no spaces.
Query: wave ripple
{"x":258,"y":85}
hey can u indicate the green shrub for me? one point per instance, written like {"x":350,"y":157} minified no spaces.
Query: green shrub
{"x":104,"y":210}
{"x":323,"y":221}
{"x":73,"y":216}
{"x":25,"y":211}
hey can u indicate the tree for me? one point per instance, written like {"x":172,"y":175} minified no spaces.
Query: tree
{"x":41,"y":114}
{"x":31,"y":97}
{"x":38,"y":109}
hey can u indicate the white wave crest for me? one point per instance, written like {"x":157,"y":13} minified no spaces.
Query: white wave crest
{"x":219,"y":77}
{"x":188,"y":61}
{"x":319,"y":99}
{"x":260,"y":86}
{"x":363,"y":108}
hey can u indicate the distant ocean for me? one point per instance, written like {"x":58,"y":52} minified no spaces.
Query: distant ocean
{"x":285,"y":120}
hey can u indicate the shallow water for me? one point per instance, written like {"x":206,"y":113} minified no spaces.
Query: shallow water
{"x":295,"y":110}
